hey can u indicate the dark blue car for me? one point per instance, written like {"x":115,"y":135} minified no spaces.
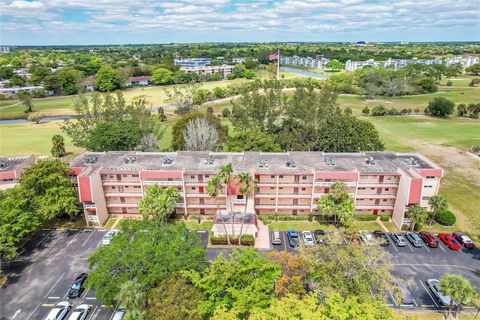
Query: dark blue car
{"x":292,"y":236}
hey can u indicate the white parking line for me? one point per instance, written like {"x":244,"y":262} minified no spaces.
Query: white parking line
{"x":54,"y":285}
{"x":408,"y":245}
{"x":31,"y":314}
{"x":391,"y":296}
{"x":83,"y":245}
{"x":415,"y":302}
{"x":426,"y":247}
{"x":44,"y":238}
{"x":428,"y":292}
{"x":74,"y":238}
{"x":93,"y":312}
{"x":53,"y":298}
{"x":394,"y":246}
{"x":440,"y":246}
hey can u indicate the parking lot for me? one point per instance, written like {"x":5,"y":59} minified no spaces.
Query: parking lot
{"x":419,"y":264}
{"x":44,"y":272}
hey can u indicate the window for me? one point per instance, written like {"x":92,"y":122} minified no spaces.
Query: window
{"x":113,"y":187}
{"x":194,"y":188}
{"x":303,"y":189}
{"x":136,"y":187}
{"x":387,"y":189}
{"x":273,"y":177}
{"x":192,"y":177}
{"x":430,"y":177}
{"x":281,"y":177}
{"x":361,"y":188}
{"x":425,"y":198}
{"x":281,"y":188}
{"x":389,"y":178}
{"x":304,"y":177}
{"x":271,"y":188}
{"x":170,"y":179}
{"x":124,"y":175}
{"x":110,"y":177}
{"x":384,"y":200}
{"x":428,"y":187}
{"x":206,"y":176}
{"x":135,"y":175}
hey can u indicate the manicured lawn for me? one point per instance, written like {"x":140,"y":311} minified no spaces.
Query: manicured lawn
{"x":195,"y":226}
{"x":368,"y":225}
{"x":299,"y":225}
{"x":110,"y":223}
{"x":29,"y":138}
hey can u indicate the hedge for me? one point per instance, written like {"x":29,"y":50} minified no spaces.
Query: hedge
{"x":366,"y":217}
{"x":446,"y":218}
{"x":247,"y":240}
{"x":385,"y":218}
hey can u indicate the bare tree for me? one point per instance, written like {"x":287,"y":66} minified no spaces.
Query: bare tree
{"x":148,"y":143}
{"x":200,"y":135}
{"x":181,"y":97}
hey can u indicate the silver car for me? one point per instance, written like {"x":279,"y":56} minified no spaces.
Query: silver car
{"x":366,"y":237}
{"x":399,"y":239}
{"x":434,"y":285}
{"x":80,"y":312}
{"x":118,"y":315}
{"x":414,"y":239}
{"x":276,"y":237}
{"x":59,"y":311}
{"x":308,"y":238}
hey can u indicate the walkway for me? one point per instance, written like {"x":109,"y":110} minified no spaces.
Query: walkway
{"x":263,"y":238}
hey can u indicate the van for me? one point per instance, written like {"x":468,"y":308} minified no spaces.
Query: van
{"x":276,"y":237}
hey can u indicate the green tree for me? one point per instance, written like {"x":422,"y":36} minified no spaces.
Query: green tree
{"x":252,"y":141}
{"x":135,"y":314}
{"x":49,"y":190}
{"x":159,"y":203}
{"x":131,"y":295}
{"x":107,"y":79}
{"x":343,"y":133}
{"x":458,"y":289}
{"x":416,"y":214}
{"x":174,"y":299}
{"x":437,"y":203}
{"x":162,"y":76}
{"x":214,"y":188}
{"x":161,"y":114}
{"x":366,"y":111}
{"x":426,"y":85}
{"x":58,"y":146}
{"x":474,"y":69}
{"x":26,"y":99}
{"x":17,"y":221}
{"x":342,"y":82}
{"x":337,"y":203}
{"x":334,"y":65}
{"x":114,"y":136}
{"x":440,"y":107}
{"x":146,"y":251}
{"x":241,"y":283}
{"x":247,"y":187}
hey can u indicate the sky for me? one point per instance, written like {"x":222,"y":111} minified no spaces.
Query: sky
{"x":83,"y":22}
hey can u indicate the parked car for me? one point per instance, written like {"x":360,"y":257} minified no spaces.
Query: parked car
{"x":382,"y":238}
{"x":80,"y":312}
{"x":59,"y":311}
{"x":434,"y":286}
{"x":463,"y":239}
{"x":319,"y":236}
{"x":308,"y":238}
{"x":77,"y":287}
{"x":449,"y":241}
{"x":429,"y":239}
{"x":118,"y":314}
{"x":107,"y":238}
{"x":292,"y":236}
{"x":366,"y":237}
{"x":414,"y":239}
{"x":276,"y":237}
{"x":399,"y":239}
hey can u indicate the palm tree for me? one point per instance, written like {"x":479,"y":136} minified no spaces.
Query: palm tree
{"x":459,"y":289}
{"x":337,"y":203}
{"x":416,"y":214}
{"x":131,"y":295}
{"x":437,"y":204}
{"x":214,"y":186}
{"x":227,"y":177}
{"x":248,"y":186}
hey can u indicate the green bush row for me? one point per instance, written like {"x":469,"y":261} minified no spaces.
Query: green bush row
{"x":247,"y":240}
{"x":446,"y":218}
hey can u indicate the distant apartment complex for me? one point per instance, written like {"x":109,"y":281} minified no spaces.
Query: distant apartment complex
{"x":223,"y":70}
{"x":11,"y":169}
{"x":192,"y":62}
{"x":290,"y":183}
{"x":318,"y":63}
{"x":14,"y":90}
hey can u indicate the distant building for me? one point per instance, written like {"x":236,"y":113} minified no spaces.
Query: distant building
{"x":89,"y":83}
{"x":11,"y":168}
{"x":14,"y":90}
{"x":139,"y":81}
{"x":5,"y":49}
{"x":23,"y":72}
{"x":224,"y":70}
{"x":464,"y":61}
{"x":354,"y":65}
{"x":242,"y":59}
{"x":192,"y":62}
{"x":318,"y":63}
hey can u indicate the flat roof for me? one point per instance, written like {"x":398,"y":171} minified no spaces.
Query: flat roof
{"x":13,"y":163}
{"x":258,"y":162}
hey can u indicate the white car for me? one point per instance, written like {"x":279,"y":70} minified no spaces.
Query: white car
{"x":366,"y":237}
{"x":118,"y":315}
{"x":434,"y":285}
{"x":307,"y":237}
{"x":59,"y":311}
{"x":80,"y":312}
{"x":107,"y":238}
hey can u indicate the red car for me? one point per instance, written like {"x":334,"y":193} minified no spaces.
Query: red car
{"x":463,"y":239}
{"x":449,"y":241}
{"x":429,"y":239}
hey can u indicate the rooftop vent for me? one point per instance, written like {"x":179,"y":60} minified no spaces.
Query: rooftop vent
{"x":370,"y":161}
{"x":167,"y":160}
{"x":3,"y":165}
{"x":91,"y":159}
{"x":208,"y":160}
{"x":330,"y":162}
{"x":263,"y":164}
{"x":129,"y":159}
{"x":290,"y":164}
{"x":411,"y":161}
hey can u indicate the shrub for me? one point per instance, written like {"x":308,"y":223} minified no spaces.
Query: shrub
{"x":379,"y":111}
{"x":440,"y":107}
{"x":446,"y":218}
{"x":292,"y":218}
{"x":385,"y":218}
{"x":310,"y":217}
{"x":226,"y":113}
{"x":366,"y":217}
{"x":218,"y":240}
{"x":418,"y":227}
{"x":248,"y":240}
{"x":449,"y":83}
{"x":366,"y":111}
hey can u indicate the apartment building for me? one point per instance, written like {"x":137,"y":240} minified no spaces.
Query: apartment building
{"x":464,"y":61}
{"x":192,"y":62}
{"x":381,"y":183}
{"x":224,"y":70}
{"x":318,"y":63}
{"x":11,"y":169}
{"x":354,"y":65}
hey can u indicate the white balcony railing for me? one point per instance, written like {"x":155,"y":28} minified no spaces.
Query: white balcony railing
{"x":319,"y":195}
{"x":240,"y":201}
{"x":90,"y":206}
{"x":91,"y":217}
{"x":163,"y":183}
{"x":179,"y":205}
{"x":330,"y":183}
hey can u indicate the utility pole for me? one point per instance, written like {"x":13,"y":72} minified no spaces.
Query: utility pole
{"x":278,"y":65}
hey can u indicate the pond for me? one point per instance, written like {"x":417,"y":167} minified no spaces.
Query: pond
{"x":307,"y":73}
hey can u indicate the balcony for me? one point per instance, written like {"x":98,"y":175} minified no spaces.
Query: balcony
{"x":376,"y":196}
{"x":202,"y":206}
{"x":319,"y":195}
{"x":92,"y":217}
{"x":90,"y":206}
{"x":330,"y":183}
{"x":120,"y":183}
{"x":240,"y":201}
{"x":179,"y":205}
{"x":372,"y":207}
{"x":123,"y":194}
{"x":163,"y":183}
